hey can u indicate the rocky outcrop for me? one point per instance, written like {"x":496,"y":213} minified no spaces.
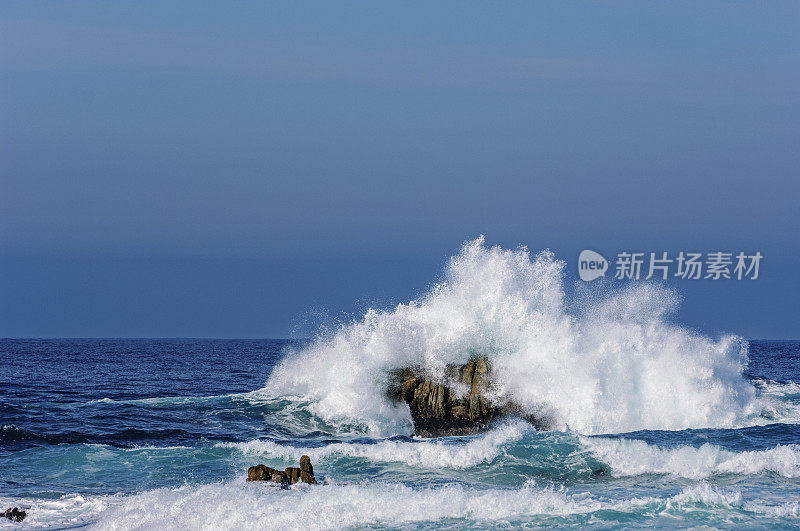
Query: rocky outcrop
{"x":307,"y":471}
{"x":454,"y":405}
{"x":15,"y":514}
{"x":290,"y":476}
{"x":265,"y":473}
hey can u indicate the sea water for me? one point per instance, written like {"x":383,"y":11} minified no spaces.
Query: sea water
{"x":649,"y":423}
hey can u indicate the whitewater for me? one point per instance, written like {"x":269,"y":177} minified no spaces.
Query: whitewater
{"x":608,"y":363}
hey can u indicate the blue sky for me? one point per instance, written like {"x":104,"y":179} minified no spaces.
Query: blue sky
{"x":251,"y":169}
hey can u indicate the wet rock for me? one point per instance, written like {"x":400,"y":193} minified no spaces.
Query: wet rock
{"x":454,"y":405}
{"x":307,"y":471}
{"x":265,"y":473}
{"x":290,"y":476}
{"x":258,"y":473}
{"x":15,"y":514}
{"x":293,"y":474}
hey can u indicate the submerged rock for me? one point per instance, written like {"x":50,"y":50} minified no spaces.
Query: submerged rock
{"x":15,"y":514}
{"x":290,"y":476}
{"x":454,"y":405}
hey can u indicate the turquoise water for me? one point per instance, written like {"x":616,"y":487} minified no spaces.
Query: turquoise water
{"x":122,"y":434}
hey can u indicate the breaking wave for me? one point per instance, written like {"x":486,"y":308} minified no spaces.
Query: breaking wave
{"x":248,"y":506}
{"x":427,"y":454}
{"x":628,"y":457}
{"x":609,"y":363}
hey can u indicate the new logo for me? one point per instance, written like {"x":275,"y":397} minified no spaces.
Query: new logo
{"x":591,"y":265}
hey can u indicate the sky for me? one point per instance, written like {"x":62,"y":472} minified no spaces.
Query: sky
{"x":256,"y":169}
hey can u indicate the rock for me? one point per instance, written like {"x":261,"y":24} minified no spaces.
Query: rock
{"x":290,"y":476}
{"x":454,"y":405}
{"x":265,"y":473}
{"x":293,"y":474}
{"x":437,"y":410}
{"x":258,"y":473}
{"x":307,"y":471}
{"x":15,"y":514}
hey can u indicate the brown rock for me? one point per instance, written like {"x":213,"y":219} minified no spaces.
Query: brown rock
{"x":258,"y":473}
{"x":290,"y":476}
{"x":265,"y":473}
{"x":15,"y":514}
{"x":307,"y":471}
{"x":293,"y":474}
{"x":439,"y":410}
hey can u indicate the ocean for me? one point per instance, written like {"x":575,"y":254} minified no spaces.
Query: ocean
{"x":651,"y":423}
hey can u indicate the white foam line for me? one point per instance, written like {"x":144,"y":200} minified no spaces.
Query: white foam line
{"x":628,"y":457}
{"x":240,"y":505}
{"x":421,"y":453}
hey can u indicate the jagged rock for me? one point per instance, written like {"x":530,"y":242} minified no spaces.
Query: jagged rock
{"x":291,"y":475}
{"x":265,"y":473}
{"x":307,"y":471}
{"x":15,"y":514}
{"x":454,"y":405}
{"x":259,"y":473}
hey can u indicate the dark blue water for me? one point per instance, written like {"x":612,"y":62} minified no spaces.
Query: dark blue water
{"x":93,"y":429}
{"x":90,"y":390}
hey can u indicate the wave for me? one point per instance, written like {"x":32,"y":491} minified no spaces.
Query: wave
{"x":343,"y":506}
{"x":455,"y":453}
{"x":66,"y":512}
{"x":607,"y":362}
{"x":777,"y":402}
{"x":166,"y":401}
{"x":248,"y":506}
{"x":14,"y":438}
{"x":628,"y":457}
{"x":517,"y":447}
{"x":289,"y":415}
{"x":785,"y":390}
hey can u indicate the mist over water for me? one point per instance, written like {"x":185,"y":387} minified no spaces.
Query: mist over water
{"x":609,"y":363}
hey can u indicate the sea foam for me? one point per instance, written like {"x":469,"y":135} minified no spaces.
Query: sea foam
{"x":609,"y":363}
{"x":627,"y":457}
{"x":418,"y":453}
{"x":238,"y":505}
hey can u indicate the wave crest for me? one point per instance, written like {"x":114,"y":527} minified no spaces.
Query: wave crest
{"x":427,"y":454}
{"x":628,"y":457}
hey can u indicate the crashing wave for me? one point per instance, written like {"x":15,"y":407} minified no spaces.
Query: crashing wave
{"x":610,"y":363}
{"x":628,"y":457}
